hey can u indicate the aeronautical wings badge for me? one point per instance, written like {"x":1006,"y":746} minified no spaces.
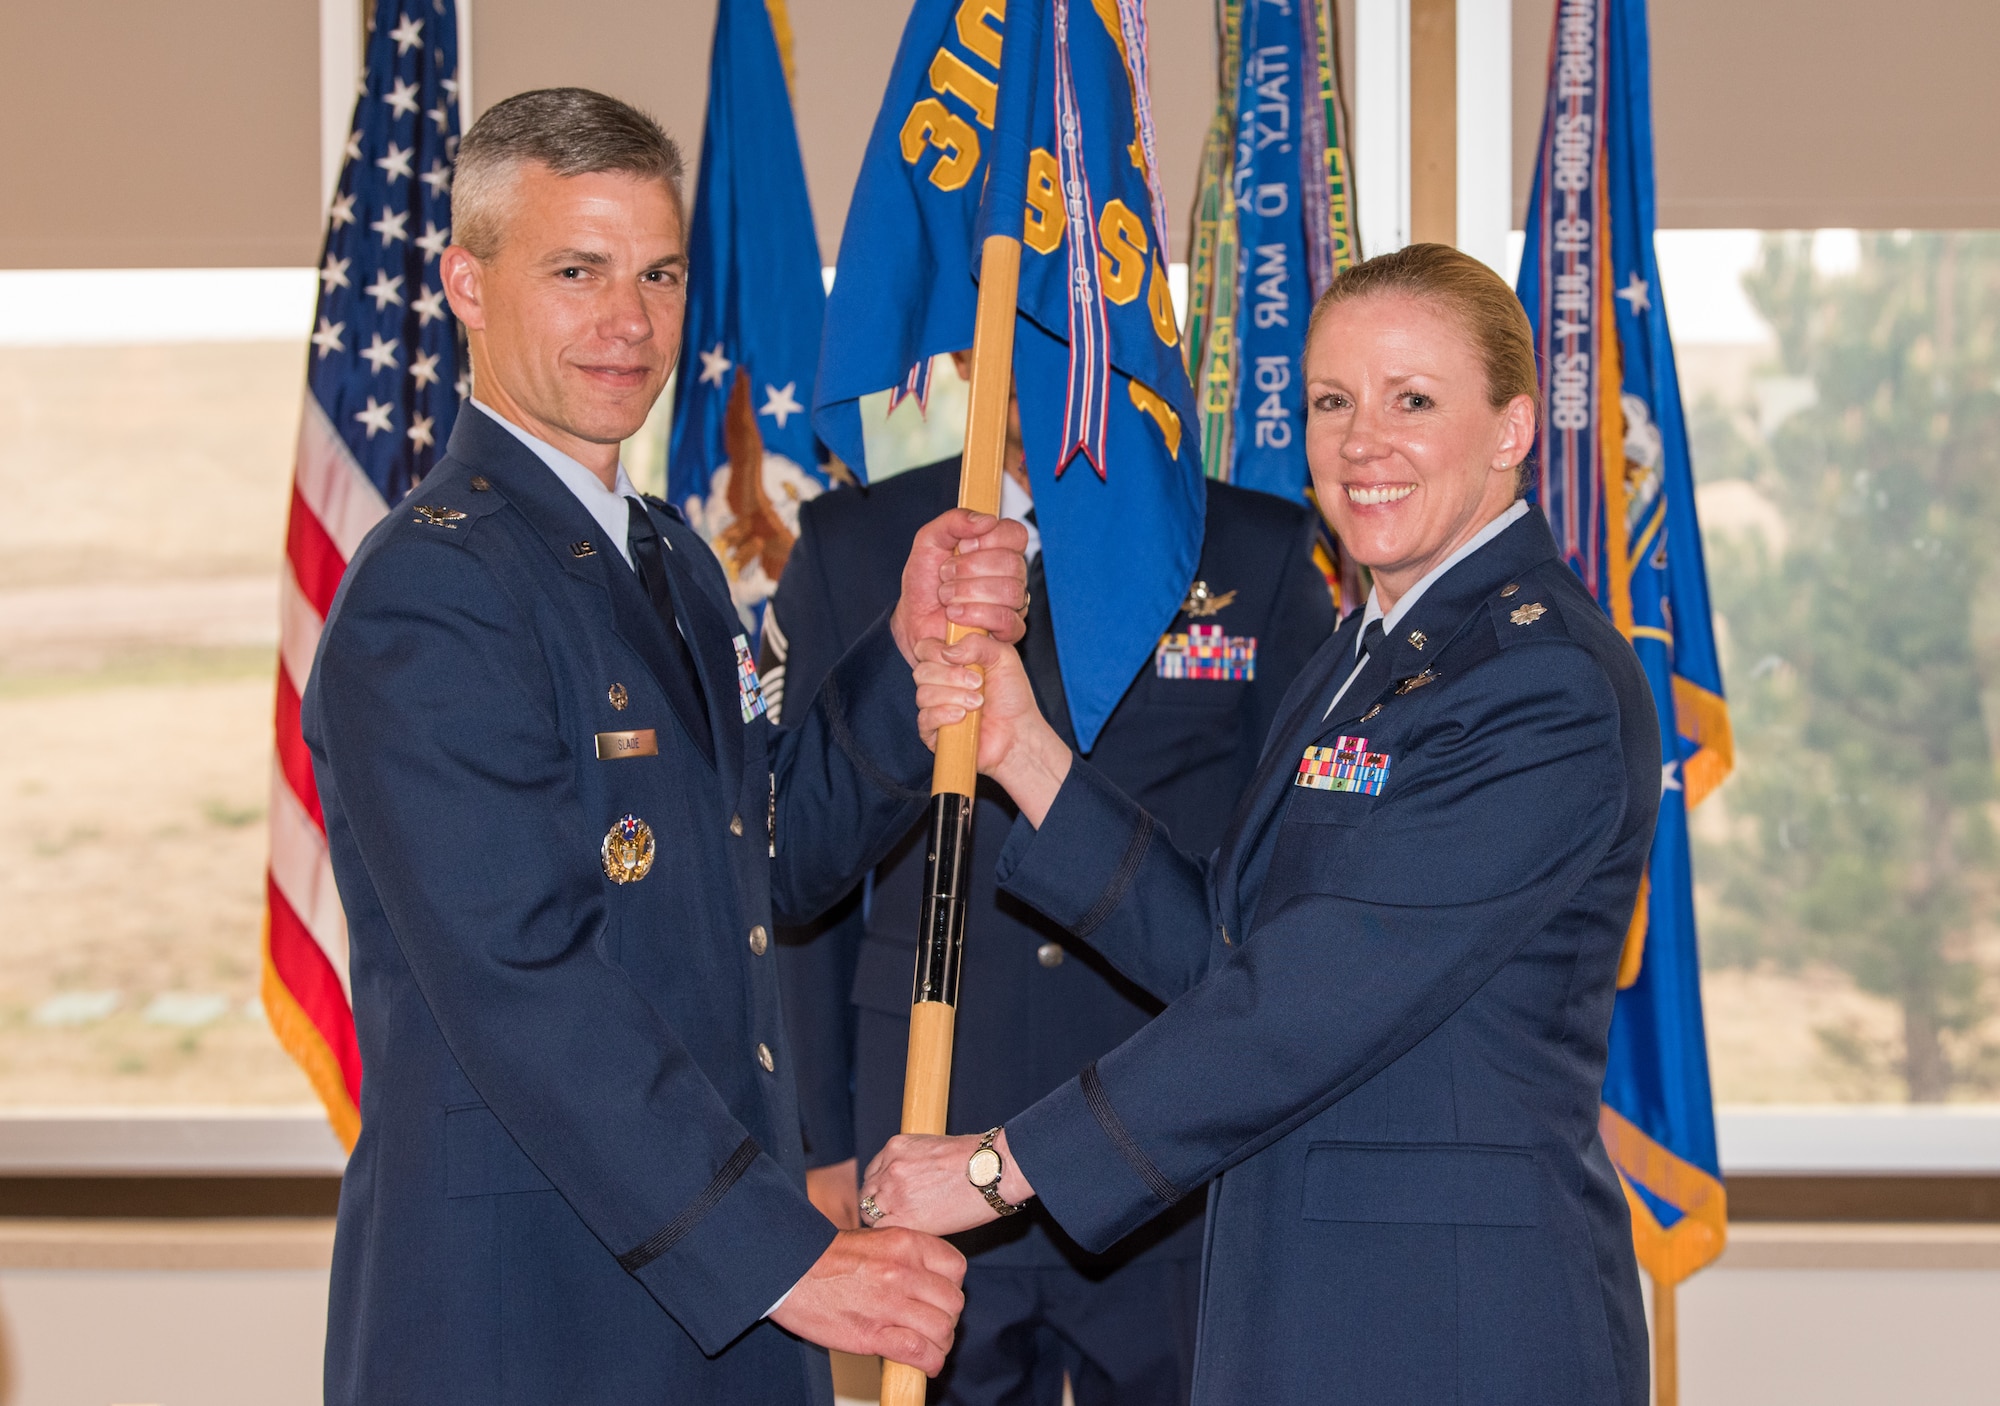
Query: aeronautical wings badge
{"x":1202,"y":602}
{"x":628,"y":850}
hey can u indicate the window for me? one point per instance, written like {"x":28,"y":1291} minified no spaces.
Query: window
{"x":147,"y":423}
{"x":1843,"y":400}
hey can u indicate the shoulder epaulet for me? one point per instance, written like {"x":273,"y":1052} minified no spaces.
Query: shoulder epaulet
{"x":1528,"y":610}
{"x":449,"y":499}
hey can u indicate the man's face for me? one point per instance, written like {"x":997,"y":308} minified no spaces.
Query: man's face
{"x":575,"y":321}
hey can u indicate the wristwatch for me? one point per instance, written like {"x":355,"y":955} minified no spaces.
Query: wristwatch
{"x":985,"y":1168}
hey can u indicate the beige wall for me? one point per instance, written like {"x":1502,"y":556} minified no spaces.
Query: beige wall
{"x":1797,"y":114}
{"x":233,"y":1314}
{"x":141,"y":133}
{"x":656,"y":54}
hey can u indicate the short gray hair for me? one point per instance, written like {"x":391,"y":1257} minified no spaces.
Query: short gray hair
{"x":573,"y":132}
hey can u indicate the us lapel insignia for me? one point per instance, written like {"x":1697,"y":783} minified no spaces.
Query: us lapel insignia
{"x":1347,"y":765}
{"x":433,"y":516}
{"x":1528,"y":614}
{"x":1204,"y":652}
{"x":583,"y":549}
{"x":1418,"y":639}
{"x":628,"y":850}
{"x":749,"y":692}
{"x":1201,"y":602}
{"x":1415,"y":682}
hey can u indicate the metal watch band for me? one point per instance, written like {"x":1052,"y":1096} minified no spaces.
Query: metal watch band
{"x":992,"y":1191}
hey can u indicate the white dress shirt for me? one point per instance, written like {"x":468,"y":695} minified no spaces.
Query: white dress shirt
{"x":1015,"y":505}
{"x":607,"y":505}
{"x":1408,"y":600}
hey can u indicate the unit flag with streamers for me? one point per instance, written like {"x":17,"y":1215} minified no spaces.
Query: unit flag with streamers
{"x":743,"y":456}
{"x":1618,"y":489}
{"x":1273,"y":226}
{"x":1054,"y":146}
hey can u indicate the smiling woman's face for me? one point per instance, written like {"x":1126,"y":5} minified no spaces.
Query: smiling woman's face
{"x":1408,"y":457}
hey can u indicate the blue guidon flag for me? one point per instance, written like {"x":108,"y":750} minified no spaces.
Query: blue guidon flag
{"x":1616,"y":484}
{"x":743,"y":456}
{"x":1054,"y":145}
{"x":384,"y":382}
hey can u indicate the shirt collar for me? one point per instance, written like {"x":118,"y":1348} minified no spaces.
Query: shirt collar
{"x":1409,"y":598}
{"x":606,"y":505}
{"x":1016,"y":504}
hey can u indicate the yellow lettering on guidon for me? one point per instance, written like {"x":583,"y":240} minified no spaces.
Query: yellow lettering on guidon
{"x":931,"y":123}
{"x":1042,"y":231}
{"x":1163,"y":415}
{"x":1160,"y":303}
{"x":976,"y":34}
{"x":952,"y":74}
{"x":1121,"y":267}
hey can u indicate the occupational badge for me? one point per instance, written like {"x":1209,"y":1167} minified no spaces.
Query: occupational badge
{"x":433,"y":516}
{"x":1202,"y":602}
{"x":749,"y":693}
{"x":1347,"y":765}
{"x":628,"y":850}
{"x":1415,"y":682}
{"x":1204,"y":652}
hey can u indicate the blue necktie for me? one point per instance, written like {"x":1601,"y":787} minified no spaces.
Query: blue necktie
{"x":683,"y":685}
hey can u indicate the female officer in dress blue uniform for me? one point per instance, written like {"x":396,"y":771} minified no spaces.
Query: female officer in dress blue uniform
{"x":1391,"y":985}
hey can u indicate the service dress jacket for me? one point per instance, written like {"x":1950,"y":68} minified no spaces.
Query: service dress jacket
{"x":1389,"y":1013}
{"x":579,"y":1175}
{"x":1031,"y":1011}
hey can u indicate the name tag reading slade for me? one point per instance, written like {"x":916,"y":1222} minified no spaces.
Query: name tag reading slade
{"x":638,"y":743}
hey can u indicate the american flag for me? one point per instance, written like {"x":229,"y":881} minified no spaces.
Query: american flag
{"x":384,"y":381}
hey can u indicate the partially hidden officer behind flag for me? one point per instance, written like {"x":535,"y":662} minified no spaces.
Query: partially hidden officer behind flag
{"x":1391,"y":985}
{"x":562,"y":829}
{"x":1034,"y":1006}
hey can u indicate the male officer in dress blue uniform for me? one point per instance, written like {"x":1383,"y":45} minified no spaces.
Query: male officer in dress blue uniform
{"x":1034,"y":1006}
{"x":562,"y":829}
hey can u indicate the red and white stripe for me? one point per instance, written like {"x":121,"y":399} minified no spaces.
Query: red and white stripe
{"x":306,"y":981}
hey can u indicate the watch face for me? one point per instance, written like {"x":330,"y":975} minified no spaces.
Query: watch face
{"x":984,"y":1168}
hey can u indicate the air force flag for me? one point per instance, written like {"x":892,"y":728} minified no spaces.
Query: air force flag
{"x":1056,"y":146}
{"x":1618,"y":488}
{"x":743,"y":455}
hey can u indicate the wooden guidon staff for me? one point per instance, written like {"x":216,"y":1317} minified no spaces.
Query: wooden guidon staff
{"x":955,"y":773}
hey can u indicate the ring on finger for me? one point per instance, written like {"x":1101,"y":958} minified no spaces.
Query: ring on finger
{"x":873,"y":1212}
